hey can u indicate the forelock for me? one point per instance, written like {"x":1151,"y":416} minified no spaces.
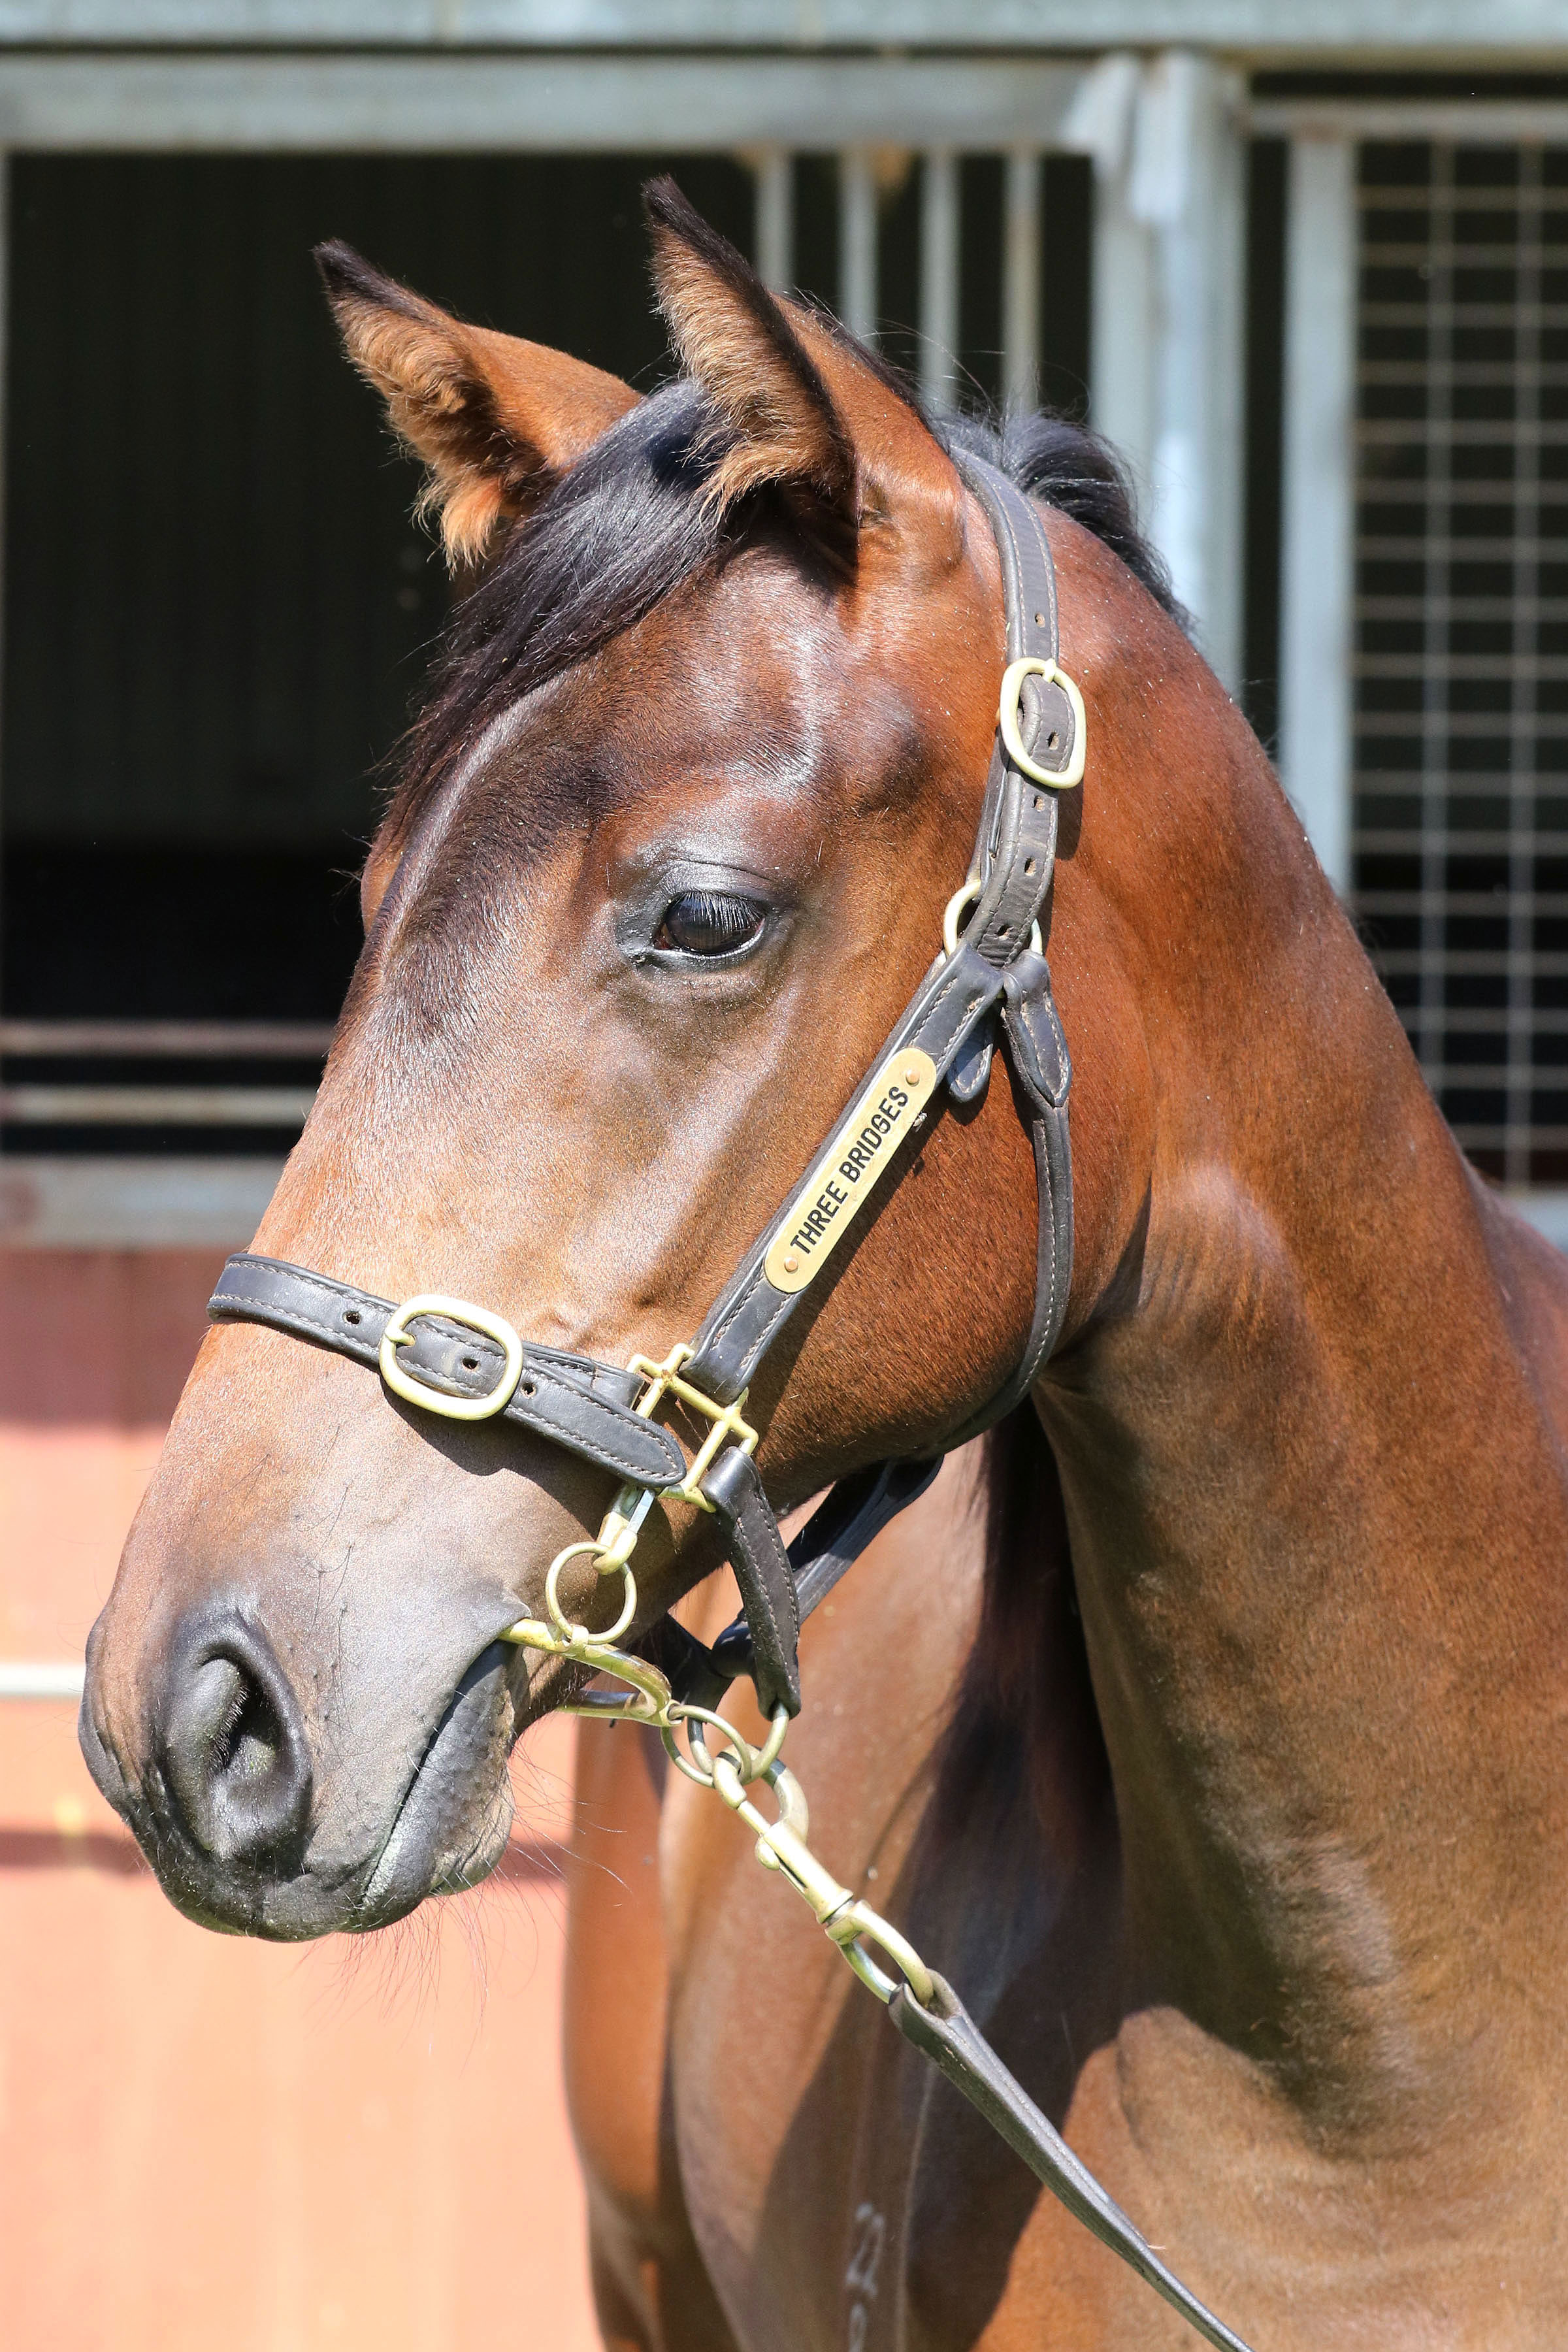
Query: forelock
{"x":624,"y":528}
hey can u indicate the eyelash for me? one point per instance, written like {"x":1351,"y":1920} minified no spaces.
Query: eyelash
{"x":731,"y":923}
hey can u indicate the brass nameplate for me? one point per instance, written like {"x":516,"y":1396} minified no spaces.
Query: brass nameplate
{"x":848,"y":1167}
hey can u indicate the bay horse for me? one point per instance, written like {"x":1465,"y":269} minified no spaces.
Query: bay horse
{"x":1208,"y":1722}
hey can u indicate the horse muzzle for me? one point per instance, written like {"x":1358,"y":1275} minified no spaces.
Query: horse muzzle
{"x":245,"y":1815}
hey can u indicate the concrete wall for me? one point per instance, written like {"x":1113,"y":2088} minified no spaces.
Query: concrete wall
{"x":319,"y":2150}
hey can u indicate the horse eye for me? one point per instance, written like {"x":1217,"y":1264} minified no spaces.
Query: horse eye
{"x":707,"y":923}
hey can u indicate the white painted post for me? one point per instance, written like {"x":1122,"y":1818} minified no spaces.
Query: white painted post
{"x":1021,"y":280}
{"x":1317,"y":567}
{"x":1121,"y":274}
{"x":938,"y":277}
{"x":858,"y":243}
{"x":1122,"y":335}
{"x":1186,"y":185}
{"x":1223,"y":629}
{"x":775,"y":218}
{"x":42,"y":1678}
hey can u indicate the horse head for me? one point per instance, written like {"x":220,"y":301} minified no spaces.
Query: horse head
{"x":700,"y":769}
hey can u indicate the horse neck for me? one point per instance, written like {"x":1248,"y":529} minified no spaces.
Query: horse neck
{"x":1315,"y":1498}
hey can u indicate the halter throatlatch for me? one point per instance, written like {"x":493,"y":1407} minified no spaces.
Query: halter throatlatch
{"x":990,"y":986}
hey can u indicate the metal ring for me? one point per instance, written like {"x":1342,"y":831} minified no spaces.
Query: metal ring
{"x":955,"y":907}
{"x":857,"y":1920}
{"x":750,"y":1763}
{"x":476,"y":1318}
{"x":558,"y":1616}
{"x":1059,"y":780}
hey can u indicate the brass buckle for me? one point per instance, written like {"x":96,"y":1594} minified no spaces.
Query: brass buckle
{"x":476,"y":1318}
{"x":1059,"y":780}
{"x":954,"y":911}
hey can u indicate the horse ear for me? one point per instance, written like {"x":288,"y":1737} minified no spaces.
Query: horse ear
{"x":494,"y":418}
{"x":734,"y":338}
{"x":804,"y":404}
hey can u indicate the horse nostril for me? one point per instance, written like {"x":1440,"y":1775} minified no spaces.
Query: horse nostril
{"x":232,"y":1745}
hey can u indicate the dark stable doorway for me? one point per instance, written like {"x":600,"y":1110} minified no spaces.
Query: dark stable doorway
{"x":217,"y":610}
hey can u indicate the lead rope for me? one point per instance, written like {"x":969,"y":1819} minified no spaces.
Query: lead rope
{"x":921,"y":2003}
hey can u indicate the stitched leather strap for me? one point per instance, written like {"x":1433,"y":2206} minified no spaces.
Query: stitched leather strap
{"x":947,"y":2035}
{"x":769,"y":1602}
{"x":1038,"y":1050}
{"x":950,"y":1017}
{"x":1015,"y":844}
{"x":852,"y":1512}
{"x":577,"y":1404}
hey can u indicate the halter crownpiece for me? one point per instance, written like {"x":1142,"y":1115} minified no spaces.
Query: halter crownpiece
{"x":990,"y":984}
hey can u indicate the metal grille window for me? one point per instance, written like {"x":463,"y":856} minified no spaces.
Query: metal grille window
{"x":1461,"y":617}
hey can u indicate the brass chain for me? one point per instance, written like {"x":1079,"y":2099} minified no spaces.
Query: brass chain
{"x":731,"y":1767}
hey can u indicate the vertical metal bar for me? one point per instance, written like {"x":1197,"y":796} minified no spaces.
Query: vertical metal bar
{"x":775,"y":217}
{"x":1187,"y":184}
{"x":858,"y":243}
{"x":1021,"y":280}
{"x":1317,"y":567}
{"x":1524,"y":685}
{"x":938,"y":277}
{"x":1224,"y":204}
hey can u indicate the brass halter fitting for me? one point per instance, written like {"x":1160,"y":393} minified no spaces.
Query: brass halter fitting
{"x":730,"y":1767}
{"x":475,"y":1319}
{"x":664,"y":1380}
{"x":1059,"y":780}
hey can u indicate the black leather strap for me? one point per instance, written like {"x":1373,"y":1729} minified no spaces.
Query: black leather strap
{"x":850,"y":1514}
{"x":951,"y":1014}
{"x":1038,"y":1050}
{"x":947,"y":2035}
{"x":770,"y":1605}
{"x":577,"y":1404}
{"x":1015,"y":844}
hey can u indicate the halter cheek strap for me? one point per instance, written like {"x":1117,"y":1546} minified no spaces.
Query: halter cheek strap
{"x":951,"y":1020}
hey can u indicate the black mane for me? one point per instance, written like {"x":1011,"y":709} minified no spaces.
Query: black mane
{"x":629,"y":525}
{"x":1067,"y":467}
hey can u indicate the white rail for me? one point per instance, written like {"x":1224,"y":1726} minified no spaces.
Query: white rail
{"x":157,"y":1040}
{"x":41,"y":1678}
{"x":156,"y":1106}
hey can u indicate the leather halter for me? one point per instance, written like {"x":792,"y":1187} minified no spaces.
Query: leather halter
{"x":991,"y":986}
{"x":992,"y":978}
